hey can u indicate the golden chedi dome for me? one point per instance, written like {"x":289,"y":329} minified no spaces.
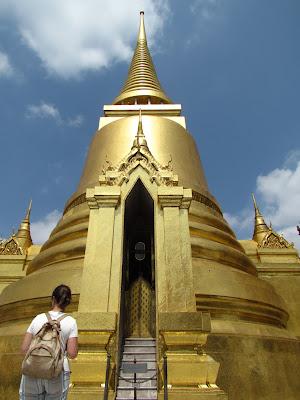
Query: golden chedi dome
{"x":224,"y":277}
{"x":224,"y":280}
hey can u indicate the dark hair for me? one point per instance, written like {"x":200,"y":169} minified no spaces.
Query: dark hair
{"x":62,"y":296}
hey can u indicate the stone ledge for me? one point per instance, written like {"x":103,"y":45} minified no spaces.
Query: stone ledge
{"x":184,"y":321}
{"x":96,"y":321}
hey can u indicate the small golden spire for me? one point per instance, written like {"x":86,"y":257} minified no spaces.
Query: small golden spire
{"x":142,"y":85}
{"x":140,"y":139}
{"x":27,"y":216}
{"x":23,"y":235}
{"x":260,"y":227}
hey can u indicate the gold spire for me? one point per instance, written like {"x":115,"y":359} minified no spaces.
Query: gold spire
{"x":260,"y":227}
{"x":140,"y":140}
{"x":23,"y":235}
{"x":142,"y":85}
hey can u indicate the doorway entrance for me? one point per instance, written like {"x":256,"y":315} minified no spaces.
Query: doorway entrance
{"x":138,"y":287}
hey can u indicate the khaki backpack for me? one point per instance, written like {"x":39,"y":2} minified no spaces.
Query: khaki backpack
{"x":45,"y":356}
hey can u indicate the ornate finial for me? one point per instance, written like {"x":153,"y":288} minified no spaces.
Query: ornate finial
{"x":260,"y":227}
{"x":27,"y":217}
{"x":254,"y":203}
{"x":142,"y":32}
{"x":140,"y":140}
{"x":23,"y":235}
{"x":142,"y":85}
{"x":140,"y":125}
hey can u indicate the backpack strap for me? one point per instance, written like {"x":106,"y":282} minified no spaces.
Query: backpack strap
{"x":57,"y":319}
{"x":49,"y":317}
{"x":62,"y":317}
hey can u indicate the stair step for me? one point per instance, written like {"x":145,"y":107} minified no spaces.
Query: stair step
{"x":146,"y":345}
{"x":151,"y":364}
{"x":139,"y":384}
{"x":150,"y":372}
{"x":141,"y":389}
{"x":140,"y":341}
{"x":139,"y":357}
{"x":140,"y":338}
{"x":140,"y":375}
{"x":138,"y":350}
{"x":145,"y":394}
{"x":140,"y":398}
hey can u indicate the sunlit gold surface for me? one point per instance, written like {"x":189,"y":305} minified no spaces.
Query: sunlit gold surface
{"x":167,"y":141}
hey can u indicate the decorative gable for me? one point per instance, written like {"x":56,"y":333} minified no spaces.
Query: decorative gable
{"x":10,"y":247}
{"x":273,"y":240}
{"x":139,"y":154}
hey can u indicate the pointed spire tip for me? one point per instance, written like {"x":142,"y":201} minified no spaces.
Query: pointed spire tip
{"x":28,"y":210}
{"x":254,"y":202}
{"x":260,"y":227}
{"x":142,"y":85}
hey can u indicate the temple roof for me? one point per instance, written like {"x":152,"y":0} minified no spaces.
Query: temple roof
{"x":264,"y":235}
{"x":18,"y":244}
{"x":142,"y":85}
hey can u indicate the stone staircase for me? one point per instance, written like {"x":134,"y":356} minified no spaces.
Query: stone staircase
{"x":138,"y":351}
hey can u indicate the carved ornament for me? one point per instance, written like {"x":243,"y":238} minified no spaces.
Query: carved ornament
{"x":139,"y":155}
{"x":10,"y":247}
{"x":273,"y":240}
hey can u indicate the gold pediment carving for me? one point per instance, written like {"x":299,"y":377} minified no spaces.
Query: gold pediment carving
{"x":163,"y":175}
{"x":273,"y":240}
{"x":10,"y":247}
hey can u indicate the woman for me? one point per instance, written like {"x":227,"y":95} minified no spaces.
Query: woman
{"x":55,"y":388}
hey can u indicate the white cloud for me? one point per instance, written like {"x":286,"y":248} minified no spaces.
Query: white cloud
{"x":43,"y":110}
{"x":40,"y":230}
{"x":76,"y":121}
{"x":240,"y":221}
{"x":46,"y":110}
{"x":6,"y":69}
{"x":280,"y":192}
{"x":279,"y":201}
{"x":73,"y":36}
{"x":205,"y":8}
{"x":209,"y":15}
{"x":290,"y":234}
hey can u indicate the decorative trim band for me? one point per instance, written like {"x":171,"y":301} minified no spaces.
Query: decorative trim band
{"x":76,"y":202}
{"x":206,"y":201}
{"x":199,"y":197}
{"x":221,"y":307}
{"x":27,"y":309}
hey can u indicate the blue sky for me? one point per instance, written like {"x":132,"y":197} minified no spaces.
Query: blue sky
{"x":233,"y":65}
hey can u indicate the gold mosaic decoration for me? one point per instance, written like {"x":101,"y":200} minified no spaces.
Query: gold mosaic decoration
{"x":139,"y":309}
{"x":10,"y":247}
{"x":274,"y":241}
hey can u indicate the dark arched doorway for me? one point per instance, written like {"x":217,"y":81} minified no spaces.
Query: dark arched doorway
{"x":138,"y":285}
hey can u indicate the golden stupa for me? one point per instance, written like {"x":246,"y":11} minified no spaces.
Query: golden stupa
{"x":148,"y":255}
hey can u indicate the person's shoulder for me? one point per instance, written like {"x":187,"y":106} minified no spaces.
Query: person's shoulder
{"x":39,"y":317}
{"x":37,"y":322}
{"x":70,"y":319}
{"x":42,"y":315}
